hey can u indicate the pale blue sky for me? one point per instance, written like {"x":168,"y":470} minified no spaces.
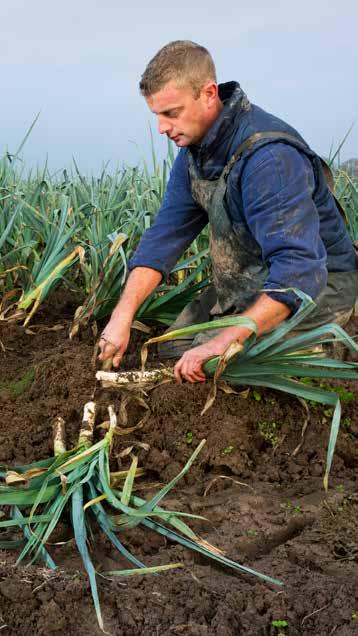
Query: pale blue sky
{"x":79,"y":62}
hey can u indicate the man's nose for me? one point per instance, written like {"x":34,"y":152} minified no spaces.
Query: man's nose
{"x":163,"y":126}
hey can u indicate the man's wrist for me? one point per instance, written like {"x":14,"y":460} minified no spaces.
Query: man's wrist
{"x":240,"y":333}
{"x":120,"y":317}
{"x":234,"y":334}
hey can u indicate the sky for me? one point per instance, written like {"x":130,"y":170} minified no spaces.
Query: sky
{"x":78,"y":63}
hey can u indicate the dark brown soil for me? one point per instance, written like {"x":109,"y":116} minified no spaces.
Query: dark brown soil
{"x":265,"y":507}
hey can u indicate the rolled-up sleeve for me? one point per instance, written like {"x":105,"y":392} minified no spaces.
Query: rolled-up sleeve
{"x":277,"y":188}
{"x":177,"y":223}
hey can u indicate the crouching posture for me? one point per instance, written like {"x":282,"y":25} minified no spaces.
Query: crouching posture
{"x":274,"y":223}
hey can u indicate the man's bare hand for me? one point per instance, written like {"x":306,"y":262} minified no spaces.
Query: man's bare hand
{"x":114,"y":341}
{"x":115,"y":337}
{"x":267,"y":314}
{"x":190,"y":364}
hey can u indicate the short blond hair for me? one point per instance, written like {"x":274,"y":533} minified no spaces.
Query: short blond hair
{"x":181,"y":61}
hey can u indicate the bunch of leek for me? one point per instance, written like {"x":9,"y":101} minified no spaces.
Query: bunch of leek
{"x":80,"y":480}
{"x":276,"y":361}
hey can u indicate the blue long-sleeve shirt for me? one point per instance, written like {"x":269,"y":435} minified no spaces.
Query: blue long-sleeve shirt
{"x":273,"y":198}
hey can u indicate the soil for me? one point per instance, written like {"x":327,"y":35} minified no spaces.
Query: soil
{"x":265,"y":505}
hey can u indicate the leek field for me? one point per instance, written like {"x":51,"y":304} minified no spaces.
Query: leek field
{"x":129,"y":504}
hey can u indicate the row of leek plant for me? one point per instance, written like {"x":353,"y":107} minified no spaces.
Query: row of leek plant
{"x":81,"y":232}
{"x":79,"y":481}
{"x":277,"y":361}
{"x":346,"y":190}
{"x":36,"y":247}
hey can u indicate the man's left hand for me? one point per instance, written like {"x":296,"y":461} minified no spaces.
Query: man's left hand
{"x":266,"y":312}
{"x":190,"y":364}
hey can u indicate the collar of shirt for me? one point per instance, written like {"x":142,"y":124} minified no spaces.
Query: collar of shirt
{"x":235,"y":102}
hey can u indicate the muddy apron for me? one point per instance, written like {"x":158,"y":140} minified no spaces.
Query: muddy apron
{"x":237,"y":267}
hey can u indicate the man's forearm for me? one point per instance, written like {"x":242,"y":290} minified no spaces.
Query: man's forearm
{"x":140,"y":284}
{"x":266,"y":312}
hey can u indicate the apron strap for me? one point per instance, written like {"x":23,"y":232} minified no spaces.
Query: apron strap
{"x":330,"y":182}
{"x":282,"y":136}
{"x":274,"y":135}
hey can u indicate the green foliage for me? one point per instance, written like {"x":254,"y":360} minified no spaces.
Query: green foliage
{"x":279,"y":362}
{"x":291,"y":508}
{"x":77,"y":481}
{"x":344,"y":395}
{"x":228,"y":450}
{"x":18,"y":387}
{"x":81,"y":231}
{"x":167,"y":301}
{"x":279,"y":623}
{"x":348,"y":501}
{"x":68,"y":228}
{"x":189,"y":437}
{"x":269,"y":431}
{"x":346,"y":191}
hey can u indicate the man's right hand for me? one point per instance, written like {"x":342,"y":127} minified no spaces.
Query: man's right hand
{"x":114,"y":341}
{"x":115,"y":337}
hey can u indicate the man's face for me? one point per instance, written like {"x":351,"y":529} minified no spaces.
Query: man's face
{"x":182,"y":117}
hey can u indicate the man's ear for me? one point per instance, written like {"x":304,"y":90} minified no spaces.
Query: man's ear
{"x":210,"y":92}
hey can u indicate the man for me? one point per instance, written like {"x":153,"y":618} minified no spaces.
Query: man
{"x":274,"y":223}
